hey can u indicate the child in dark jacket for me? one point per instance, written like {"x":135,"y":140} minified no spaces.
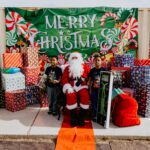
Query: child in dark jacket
{"x":54,"y":74}
{"x":94,"y":83}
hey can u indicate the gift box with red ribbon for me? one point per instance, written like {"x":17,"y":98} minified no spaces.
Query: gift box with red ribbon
{"x":15,"y":100}
{"x":12,"y":60}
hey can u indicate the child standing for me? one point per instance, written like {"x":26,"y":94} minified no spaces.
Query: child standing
{"x":54,"y":74}
{"x":94,"y":83}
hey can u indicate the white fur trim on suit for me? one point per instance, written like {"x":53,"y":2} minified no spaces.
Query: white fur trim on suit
{"x":84,"y":106}
{"x":70,"y":107}
{"x":67,"y":88}
{"x":78,"y":88}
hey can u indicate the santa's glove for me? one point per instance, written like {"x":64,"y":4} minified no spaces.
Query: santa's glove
{"x":67,"y":88}
{"x":79,"y":81}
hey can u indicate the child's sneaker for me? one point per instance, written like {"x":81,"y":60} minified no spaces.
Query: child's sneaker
{"x":54,"y":113}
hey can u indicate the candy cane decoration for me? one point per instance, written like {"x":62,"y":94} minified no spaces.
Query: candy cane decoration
{"x":12,"y":19}
{"x":61,"y":59}
{"x":108,"y":14}
{"x":90,"y":62}
{"x":43,"y":58}
{"x":28,"y":30}
{"x":130,"y":28}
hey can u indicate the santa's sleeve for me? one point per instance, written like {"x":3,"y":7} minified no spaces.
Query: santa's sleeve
{"x":65,"y":82}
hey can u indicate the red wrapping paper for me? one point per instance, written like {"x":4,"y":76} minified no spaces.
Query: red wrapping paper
{"x":15,"y":100}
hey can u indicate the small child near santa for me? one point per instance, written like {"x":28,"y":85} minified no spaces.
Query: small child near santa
{"x":54,"y":75}
{"x":94,"y":83}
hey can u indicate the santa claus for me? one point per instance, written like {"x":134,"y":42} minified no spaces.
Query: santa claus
{"x":74,"y":81}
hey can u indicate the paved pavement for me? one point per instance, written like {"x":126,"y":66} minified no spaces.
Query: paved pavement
{"x":33,"y":128}
{"x":35,"y":121}
{"x":48,"y":143}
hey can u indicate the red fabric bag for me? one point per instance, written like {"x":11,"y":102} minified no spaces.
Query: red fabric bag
{"x":124,"y":111}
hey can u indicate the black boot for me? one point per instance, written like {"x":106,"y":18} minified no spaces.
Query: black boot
{"x":81,"y":117}
{"x":73,"y":117}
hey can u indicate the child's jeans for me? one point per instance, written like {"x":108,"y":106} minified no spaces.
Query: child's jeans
{"x":52,"y":98}
{"x":94,"y":99}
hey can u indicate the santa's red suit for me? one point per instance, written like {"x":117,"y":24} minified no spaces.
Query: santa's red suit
{"x":74,"y":81}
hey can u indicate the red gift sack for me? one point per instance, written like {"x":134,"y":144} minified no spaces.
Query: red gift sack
{"x":124,"y":111}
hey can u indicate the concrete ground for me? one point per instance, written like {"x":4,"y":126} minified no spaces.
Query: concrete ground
{"x":35,"y":121}
{"x":33,"y":128}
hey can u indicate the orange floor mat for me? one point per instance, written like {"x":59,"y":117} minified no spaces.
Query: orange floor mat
{"x":77,"y":138}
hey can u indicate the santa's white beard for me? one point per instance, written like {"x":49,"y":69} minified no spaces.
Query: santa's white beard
{"x":75,"y":68}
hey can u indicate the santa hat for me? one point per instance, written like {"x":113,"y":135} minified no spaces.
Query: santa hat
{"x":76,"y":54}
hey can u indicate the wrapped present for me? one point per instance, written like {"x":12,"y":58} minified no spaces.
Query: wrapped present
{"x":32,"y":95}
{"x":15,"y":100}
{"x":125,"y":60}
{"x":13,"y":82}
{"x":30,"y":57}
{"x":33,"y":49}
{"x":121,"y":77}
{"x":143,"y":98}
{"x":43,"y":97}
{"x":140,"y":74}
{"x":12,"y":60}
{"x":2,"y":98}
{"x":31,"y":80}
{"x":128,"y":91}
{"x":142,"y":62}
{"x":29,"y":71}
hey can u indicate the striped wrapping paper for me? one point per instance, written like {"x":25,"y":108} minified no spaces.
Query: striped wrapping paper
{"x":13,"y":82}
{"x":30,"y":58}
{"x":12,"y":60}
{"x":143,"y":98}
{"x":125,"y":60}
{"x":31,"y":80}
{"x":32,"y":95}
{"x":142,"y":62}
{"x":2,"y":98}
{"x":15,"y":100}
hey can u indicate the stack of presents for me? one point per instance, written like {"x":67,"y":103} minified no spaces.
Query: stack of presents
{"x":18,"y":90}
{"x":133,"y":77}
